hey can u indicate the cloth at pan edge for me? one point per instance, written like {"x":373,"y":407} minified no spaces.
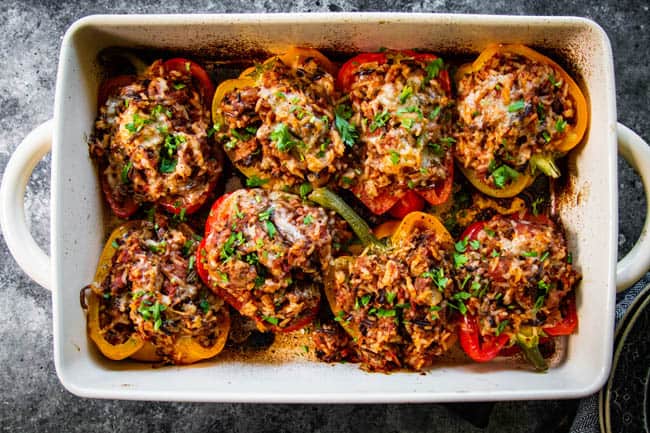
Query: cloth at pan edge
{"x":586,"y":420}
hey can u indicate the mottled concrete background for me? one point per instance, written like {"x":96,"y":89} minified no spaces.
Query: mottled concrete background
{"x":31,"y":397}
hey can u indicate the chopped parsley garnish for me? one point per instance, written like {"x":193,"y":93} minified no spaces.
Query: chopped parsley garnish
{"x":407,"y":122}
{"x":516,"y":106}
{"x":475,"y":244}
{"x":167,"y":165}
{"x":223,"y":276}
{"x":434,"y":113}
{"x":211,"y":131}
{"x":554,"y":82}
{"x":308,"y":220}
{"x":190,"y":263}
{"x":390,"y":297}
{"x":379,"y":120}
{"x":461,"y":245}
{"x":501,"y":327}
{"x":546,"y":136}
{"x":544,"y":256}
{"x":434,"y":311}
{"x":394,"y":157}
{"x":529,"y":254}
{"x":255,"y":181}
{"x":205,"y":305}
{"x":459,"y":260}
{"x":406,"y":92}
{"x":543,"y":285}
{"x":465,"y":280}
{"x":386,"y":313}
{"x":448,"y":140}
{"x":560,"y":125}
{"x":461,"y":296}
{"x":569,"y":258}
{"x":347,"y":180}
{"x":410,"y":184}
{"x":503,"y":174}
{"x":305,"y":189}
{"x":438,"y":277}
{"x":137,"y":123}
{"x":150,"y":311}
{"x":265,"y":215}
{"x":282,"y":137}
{"x":114,"y":244}
{"x":489,"y":232}
{"x":107,"y":295}
{"x":365,"y":299}
{"x":539,"y":303}
{"x":541,"y":114}
{"x":270,"y":228}
{"x":168,"y":151}
{"x":495,"y":253}
{"x":179,"y":86}
{"x":272,"y":320}
{"x":433,"y":69}
{"x":157,"y":247}
{"x":228,"y":249}
{"x":348,"y":132}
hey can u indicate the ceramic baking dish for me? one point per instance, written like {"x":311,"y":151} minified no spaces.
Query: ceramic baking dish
{"x":589,"y":211}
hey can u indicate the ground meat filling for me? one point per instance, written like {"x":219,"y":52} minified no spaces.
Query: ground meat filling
{"x":283,"y":127}
{"x":401,"y":111}
{"x":267,"y":253}
{"x":152,"y":289}
{"x":151,"y":143}
{"x":397,"y":302}
{"x":511,"y":109}
{"x":515,"y":273}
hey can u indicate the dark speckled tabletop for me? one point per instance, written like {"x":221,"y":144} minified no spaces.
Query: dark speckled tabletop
{"x":31,"y":397}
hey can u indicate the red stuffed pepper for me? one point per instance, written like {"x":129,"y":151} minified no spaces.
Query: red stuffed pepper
{"x":397,"y":121}
{"x":151,"y":139}
{"x":265,"y":252}
{"x":515,"y":284}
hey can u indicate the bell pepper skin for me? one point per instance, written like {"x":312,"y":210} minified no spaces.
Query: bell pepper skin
{"x":539,"y":163}
{"x":479,"y":351}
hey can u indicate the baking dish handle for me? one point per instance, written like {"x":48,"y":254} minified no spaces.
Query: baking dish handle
{"x":636,"y":263}
{"x":30,"y":257}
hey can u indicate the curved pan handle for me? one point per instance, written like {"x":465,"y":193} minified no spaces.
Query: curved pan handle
{"x":637,"y":262}
{"x":30,"y":257}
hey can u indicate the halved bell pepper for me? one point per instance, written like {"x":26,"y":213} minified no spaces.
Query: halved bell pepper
{"x":249,"y":78}
{"x":398,"y":202}
{"x":397,"y":232}
{"x":484,"y":348}
{"x":220,"y":211}
{"x":135,"y":342}
{"x":543,"y":163}
{"x":187,"y":350}
{"x":125,"y":206}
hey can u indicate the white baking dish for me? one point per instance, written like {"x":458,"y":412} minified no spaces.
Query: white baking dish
{"x":78,"y":230}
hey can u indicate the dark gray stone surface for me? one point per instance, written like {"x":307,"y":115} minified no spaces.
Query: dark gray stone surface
{"x":31,"y":397}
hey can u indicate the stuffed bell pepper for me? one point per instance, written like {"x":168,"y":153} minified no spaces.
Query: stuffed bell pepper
{"x":146,"y":301}
{"x":517,"y":112}
{"x":276,"y":122}
{"x":392,"y":298}
{"x":265,"y":251}
{"x":397,"y":119}
{"x":151,"y":139}
{"x":515,"y":284}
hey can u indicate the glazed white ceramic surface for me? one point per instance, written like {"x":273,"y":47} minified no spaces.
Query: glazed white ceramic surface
{"x":78,"y":230}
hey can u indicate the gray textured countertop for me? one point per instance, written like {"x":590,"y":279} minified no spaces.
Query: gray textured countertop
{"x":32,"y":399}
